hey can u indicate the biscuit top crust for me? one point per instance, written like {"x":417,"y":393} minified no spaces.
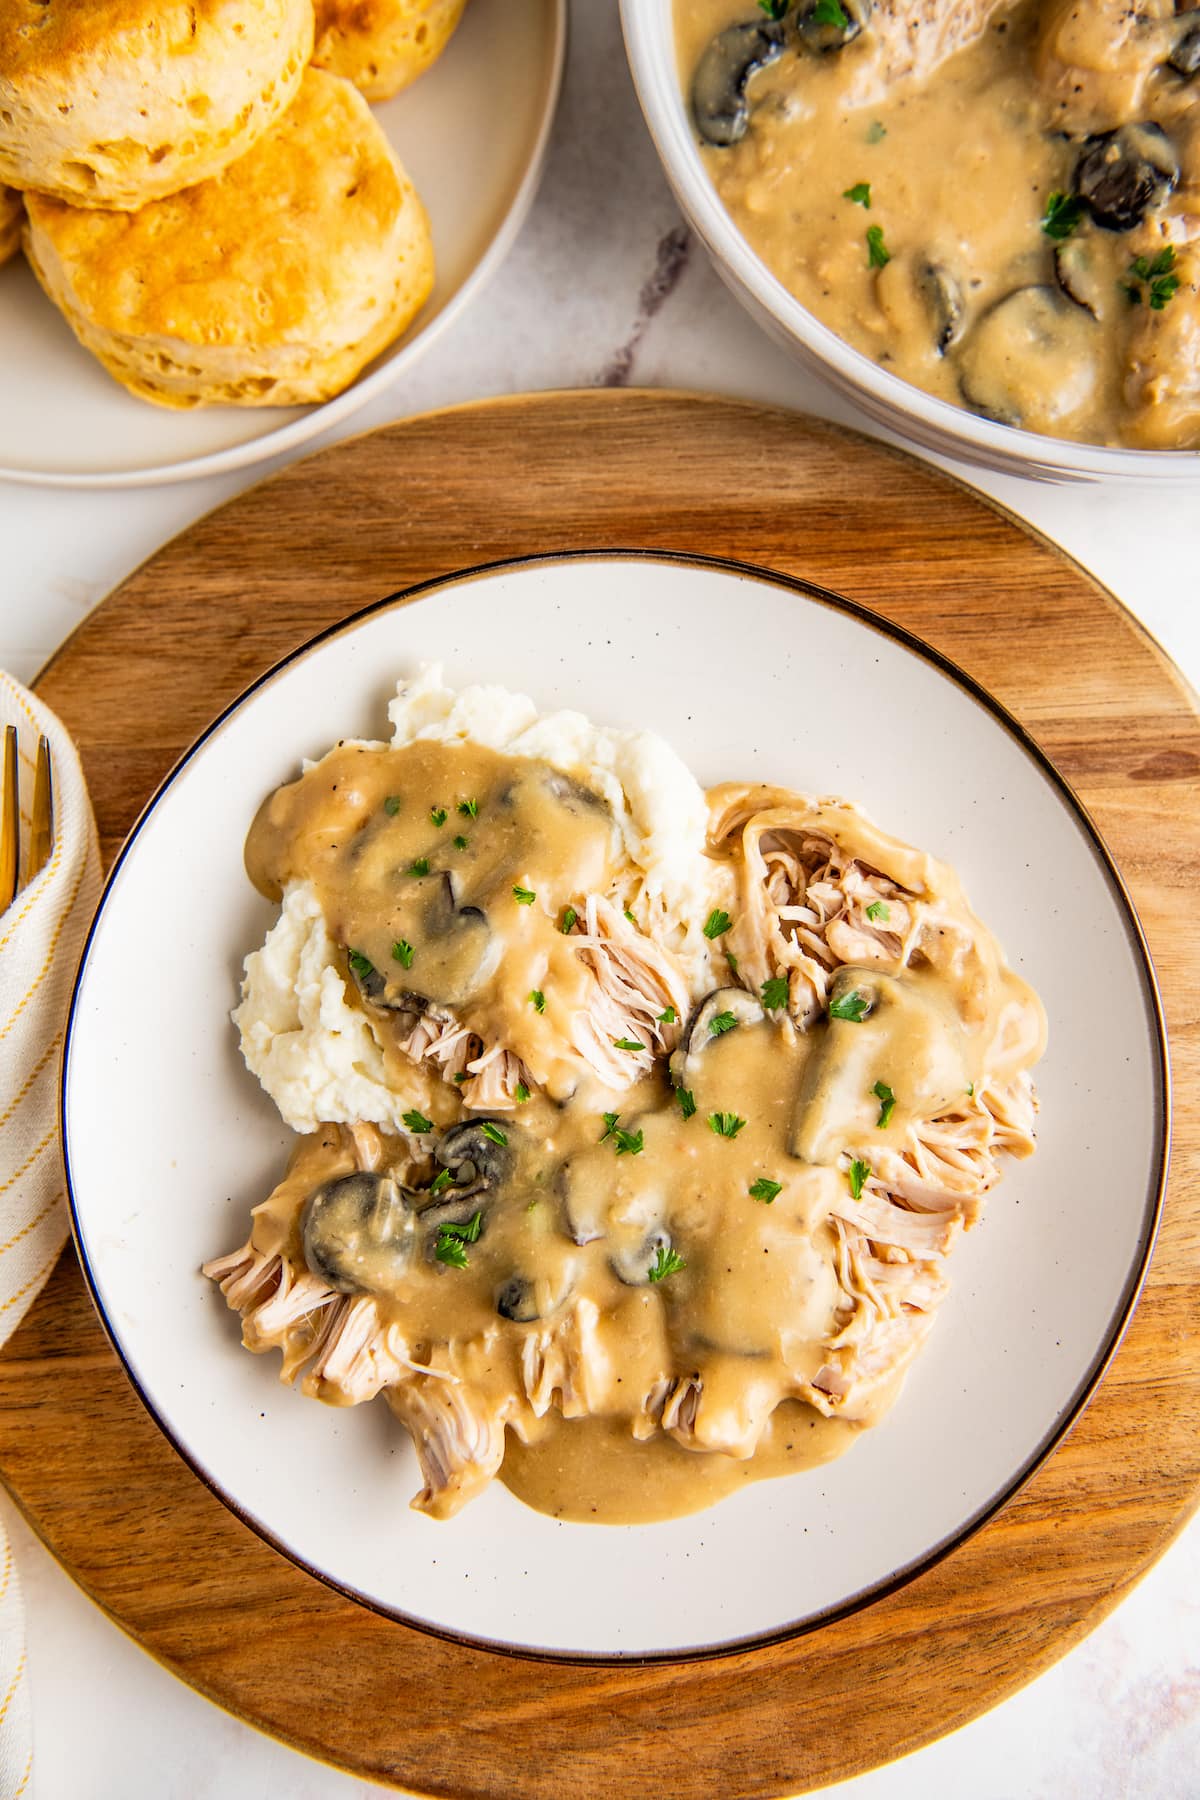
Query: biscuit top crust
{"x":301,"y":227}
{"x":62,"y":42}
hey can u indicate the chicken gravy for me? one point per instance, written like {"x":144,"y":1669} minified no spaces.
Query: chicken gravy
{"x":1014,"y":228}
{"x":594,"y":1267}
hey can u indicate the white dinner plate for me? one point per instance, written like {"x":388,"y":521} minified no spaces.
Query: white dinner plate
{"x":169,"y":1141}
{"x":472,"y":133}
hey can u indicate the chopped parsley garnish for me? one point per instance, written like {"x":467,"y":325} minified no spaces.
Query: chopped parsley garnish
{"x":687,"y":1101}
{"x":469,"y":808}
{"x":668,"y":1017}
{"x":438,"y":815}
{"x":830,"y":12}
{"x":858,"y":1175}
{"x":1158,"y":272}
{"x":629,"y":1044}
{"x":774,"y":9}
{"x":876,"y":131}
{"x":853,"y":1006}
{"x":537,"y":1000}
{"x":402,"y":952}
{"x":493,"y":1133}
{"x":716,"y":924}
{"x":879,"y":910}
{"x":441,"y":1181}
{"x":524,"y":896}
{"x":887,"y":1104}
{"x":362,"y":965}
{"x":416,"y":1121}
{"x":630,"y":916}
{"x":460,"y":1078}
{"x":666,"y":1262}
{"x":568,"y":921}
{"x":522,"y":1093}
{"x":721,"y":1023}
{"x":453,"y":1239}
{"x":460,"y":842}
{"x":878,"y":254}
{"x":765,"y":1190}
{"x":774,"y":994}
{"x":732,"y":960}
{"x":391,"y":805}
{"x":610,"y":1125}
{"x":420,"y":867}
{"x":971,"y":1090}
{"x":1063,"y":213}
{"x":628,"y":1143}
{"x":726,"y":1125}
{"x":860,"y":194}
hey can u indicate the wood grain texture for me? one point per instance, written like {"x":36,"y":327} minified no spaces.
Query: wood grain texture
{"x":149,"y":669}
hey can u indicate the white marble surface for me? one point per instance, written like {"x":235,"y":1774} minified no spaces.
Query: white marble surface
{"x":578,"y":303}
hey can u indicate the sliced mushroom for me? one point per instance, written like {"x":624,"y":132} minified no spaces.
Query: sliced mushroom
{"x":719,"y":104}
{"x":943,"y":296}
{"x":1080,"y":276}
{"x":584,"y":1190}
{"x":358,"y":1232}
{"x":1030,"y":360}
{"x":523,"y":1299}
{"x":465,"y":949}
{"x":476,"y":1157}
{"x":1123,"y":173}
{"x":699,"y":1034}
{"x":822,"y":32}
{"x":1185,"y":57}
{"x":573,"y":794}
{"x":517,"y":1301}
{"x":631,"y":1264}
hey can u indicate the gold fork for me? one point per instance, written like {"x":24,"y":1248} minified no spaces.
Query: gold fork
{"x":41,"y":829}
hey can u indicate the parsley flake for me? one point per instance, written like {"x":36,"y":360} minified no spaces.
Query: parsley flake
{"x":878,"y":254}
{"x":687,"y":1101}
{"x":774,"y":993}
{"x":853,"y":1006}
{"x":628,"y":1143}
{"x":880,"y":911}
{"x":448,"y":1250}
{"x":830,"y":12}
{"x":876,"y":131}
{"x":859,"y":194}
{"x":1158,"y":272}
{"x":887,"y":1104}
{"x":732,"y":960}
{"x":438,"y":816}
{"x":858,"y":1175}
{"x":537,"y":1000}
{"x":460,"y":842}
{"x":716,"y":924}
{"x":1062,"y":216}
{"x":774,"y":9}
{"x":362,"y":965}
{"x":524,"y":896}
{"x":721,"y":1023}
{"x":568,"y":921}
{"x":629,"y":1044}
{"x":522,"y":1093}
{"x":971,"y":1091}
{"x":416,"y":1121}
{"x":666,"y":1262}
{"x":630,"y":916}
{"x":391,"y":805}
{"x":765,"y":1189}
{"x":402,"y":952}
{"x":610,"y":1125}
{"x":469,"y":808}
{"x":726,"y":1125}
{"x":420,"y":867}
{"x":668,"y":1017}
{"x":441,"y":1181}
{"x":493,"y":1133}
{"x":460,"y":1078}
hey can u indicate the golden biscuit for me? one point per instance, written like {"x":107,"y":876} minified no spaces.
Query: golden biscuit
{"x":271,"y":285}
{"x":382,"y":45}
{"x":12,"y":216}
{"x":113,"y":103}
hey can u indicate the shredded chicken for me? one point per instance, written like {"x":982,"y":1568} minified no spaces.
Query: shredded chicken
{"x":909,"y":39}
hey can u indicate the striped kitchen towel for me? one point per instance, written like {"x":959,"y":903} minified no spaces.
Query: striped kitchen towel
{"x":41,"y":936}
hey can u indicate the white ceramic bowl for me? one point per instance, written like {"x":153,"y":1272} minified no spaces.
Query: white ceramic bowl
{"x":169,"y":1141}
{"x":932,"y":423}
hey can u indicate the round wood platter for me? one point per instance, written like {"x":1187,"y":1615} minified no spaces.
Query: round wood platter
{"x":195,"y":1586}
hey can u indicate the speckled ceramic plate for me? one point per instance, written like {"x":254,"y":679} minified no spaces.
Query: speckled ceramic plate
{"x":472,"y":133}
{"x":169,"y":1141}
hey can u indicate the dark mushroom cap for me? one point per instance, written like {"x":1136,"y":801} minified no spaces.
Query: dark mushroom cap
{"x":474,"y":1156}
{"x":698,"y":1033}
{"x":1123,"y":173}
{"x":1035,"y":352}
{"x":823,"y":35}
{"x":1185,"y":57}
{"x":943,"y":296}
{"x":356,"y":1226}
{"x":719,"y":104}
{"x":632,"y":1266}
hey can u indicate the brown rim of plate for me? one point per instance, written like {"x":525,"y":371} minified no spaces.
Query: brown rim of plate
{"x":1155,"y":1192}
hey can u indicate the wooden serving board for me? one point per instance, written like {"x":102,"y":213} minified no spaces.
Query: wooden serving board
{"x":149,"y":669}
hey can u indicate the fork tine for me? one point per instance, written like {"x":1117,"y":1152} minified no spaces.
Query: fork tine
{"x":10,"y":821}
{"x":41,"y":829}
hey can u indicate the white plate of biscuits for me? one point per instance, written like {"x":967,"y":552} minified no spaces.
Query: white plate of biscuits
{"x":227,"y":225}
